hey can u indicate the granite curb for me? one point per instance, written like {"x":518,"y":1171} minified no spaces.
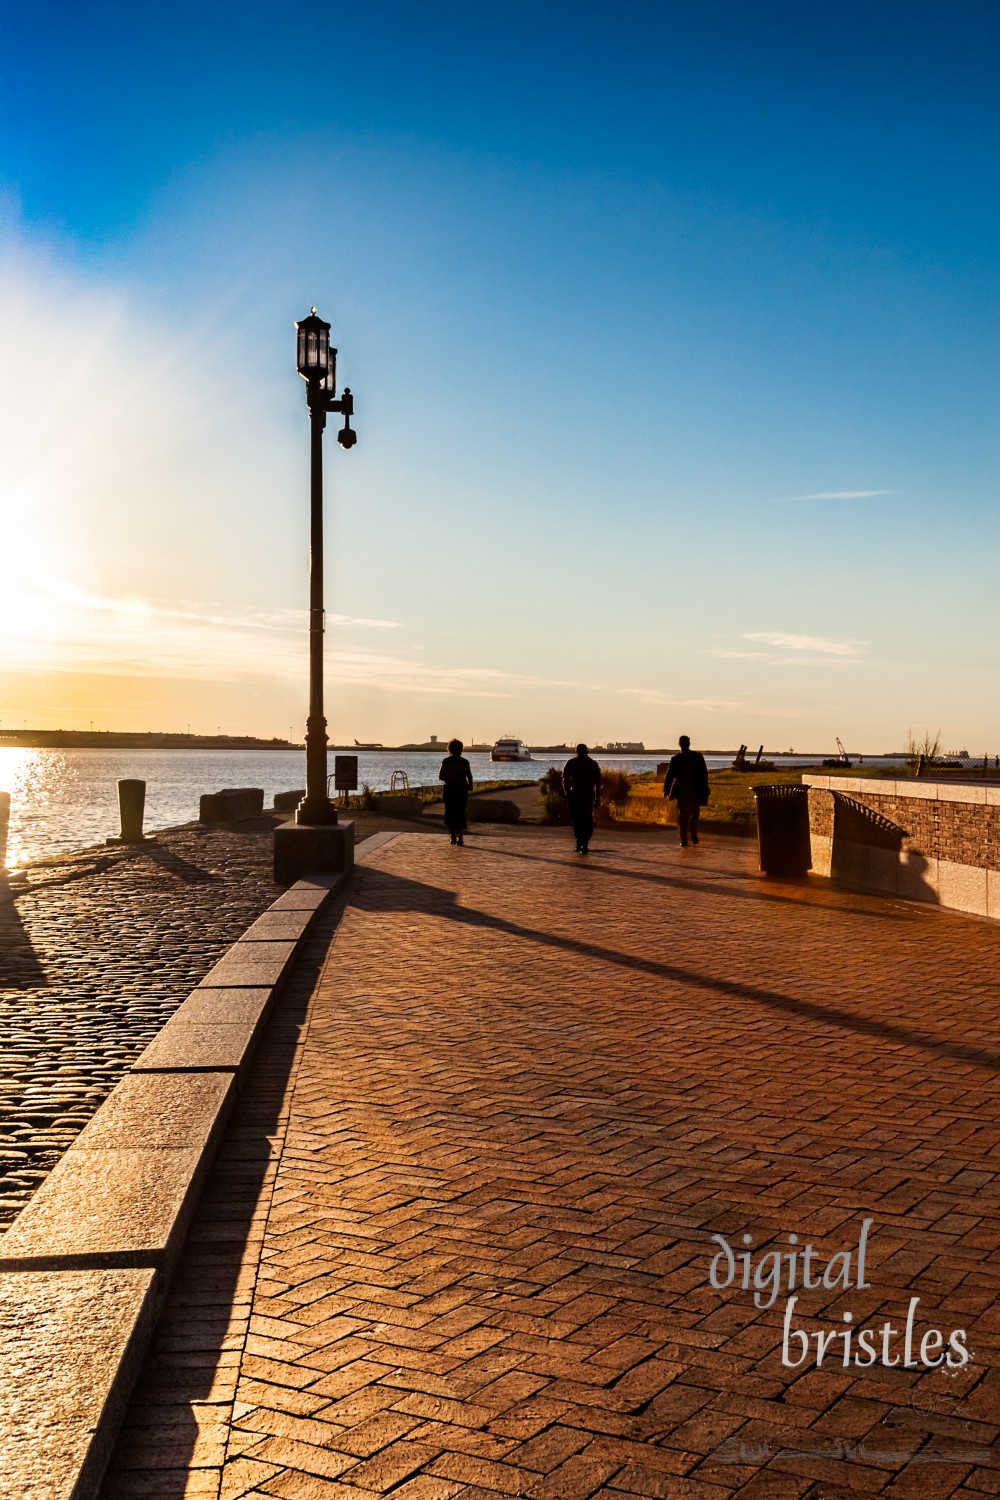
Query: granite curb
{"x":85,"y":1266}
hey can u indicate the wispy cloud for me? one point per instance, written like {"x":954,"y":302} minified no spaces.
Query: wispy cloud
{"x":842,"y":495}
{"x":793,"y":642}
{"x":198,"y":613}
{"x":666,"y":700}
{"x":660,"y":699}
{"x":744,"y":655}
{"x":53,"y":625}
{"x":790,"y":649}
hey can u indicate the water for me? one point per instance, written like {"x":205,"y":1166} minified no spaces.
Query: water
{"x":68,"y":799}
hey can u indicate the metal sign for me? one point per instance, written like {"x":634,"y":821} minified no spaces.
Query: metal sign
{"x":345,"y":773}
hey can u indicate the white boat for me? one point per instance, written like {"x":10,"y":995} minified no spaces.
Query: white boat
{"x":509,"y":748}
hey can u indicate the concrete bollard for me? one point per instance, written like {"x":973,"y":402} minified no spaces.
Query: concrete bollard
{"x":492,"y":810}
{"x":231,"y":805}
{"x":131,"y":804}
{"x":288,"y":801}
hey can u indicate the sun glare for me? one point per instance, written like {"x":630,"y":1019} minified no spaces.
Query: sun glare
{"x":21,"y":777}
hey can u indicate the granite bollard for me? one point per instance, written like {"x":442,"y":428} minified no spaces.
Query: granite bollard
{"x":288,"y":801}
{"x":131,"y":806}
{"x":492,"y":810}
{"x":401,"y":807}
{"x":231,"y":805}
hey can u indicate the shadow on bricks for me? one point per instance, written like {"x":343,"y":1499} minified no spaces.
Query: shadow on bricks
{"x":807,"y":897}
{"x":387,"y":892}
{"x":189,"y":1375}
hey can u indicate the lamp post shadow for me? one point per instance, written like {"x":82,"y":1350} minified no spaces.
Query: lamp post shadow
{"x":19,"y":965}
{"x":383,"y":891}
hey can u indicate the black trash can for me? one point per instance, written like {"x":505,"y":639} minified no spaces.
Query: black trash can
{"x":783,"y":829}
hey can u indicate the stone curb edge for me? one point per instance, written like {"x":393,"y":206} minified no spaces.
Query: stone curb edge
{"x":85,"y":1266}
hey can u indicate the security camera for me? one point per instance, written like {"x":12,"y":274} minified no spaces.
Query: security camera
{"x":347,"y":437}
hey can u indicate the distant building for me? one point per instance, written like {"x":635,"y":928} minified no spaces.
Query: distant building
{"x":626,"y":746}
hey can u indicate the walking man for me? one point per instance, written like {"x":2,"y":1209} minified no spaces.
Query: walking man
{"x":582,"y":785}
{"x":686,"y":783}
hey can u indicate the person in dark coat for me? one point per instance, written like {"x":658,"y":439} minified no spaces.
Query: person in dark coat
{"x":456,"y":773}
{"x":686,"y":783}
{"x":582,"y":785}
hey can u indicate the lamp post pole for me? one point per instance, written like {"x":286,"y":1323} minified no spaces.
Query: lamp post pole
{"x":317,"y":364}
{"x":316,"y":806}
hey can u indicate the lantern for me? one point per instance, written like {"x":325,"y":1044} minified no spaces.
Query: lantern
{"x":315,"y":360}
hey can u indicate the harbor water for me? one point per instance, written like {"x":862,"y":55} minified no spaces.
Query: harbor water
{"x":61,"y":800}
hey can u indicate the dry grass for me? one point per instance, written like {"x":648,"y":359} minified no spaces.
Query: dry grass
{"x":731,"y":799}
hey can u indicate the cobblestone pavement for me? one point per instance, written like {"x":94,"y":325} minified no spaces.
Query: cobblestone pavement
{"x":97,"y":950}
{"x":457,"y":1241}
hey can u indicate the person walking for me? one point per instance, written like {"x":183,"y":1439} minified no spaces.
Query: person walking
{"x":686,"y":783}
{"x":582,"y":785}
{"x":456,"y":773}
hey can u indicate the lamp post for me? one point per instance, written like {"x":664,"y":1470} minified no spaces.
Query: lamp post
{"x":317,"y":364}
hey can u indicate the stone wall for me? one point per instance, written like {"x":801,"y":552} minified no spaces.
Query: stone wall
{"x":920,"y":840}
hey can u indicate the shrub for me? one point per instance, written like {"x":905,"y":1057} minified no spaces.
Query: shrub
{"x":616,"y":788}
{"x":928,"y":748}
{"x":555,"y":808}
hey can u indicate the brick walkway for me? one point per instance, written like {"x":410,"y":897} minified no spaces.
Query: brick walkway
{"x":97,"y":951}
{"x":457,"y":1242}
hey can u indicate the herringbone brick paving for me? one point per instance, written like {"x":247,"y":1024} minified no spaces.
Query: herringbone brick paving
{"x":458,"y":1240}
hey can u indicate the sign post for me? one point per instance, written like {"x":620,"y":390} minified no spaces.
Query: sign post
{"x":345,"y":774}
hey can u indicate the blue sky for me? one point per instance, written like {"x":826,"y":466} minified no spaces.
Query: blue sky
{"x":673,"y":331}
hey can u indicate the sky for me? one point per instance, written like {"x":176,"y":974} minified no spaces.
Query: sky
{"x":673,"y":334}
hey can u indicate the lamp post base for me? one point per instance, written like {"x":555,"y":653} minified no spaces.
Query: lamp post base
{"x":312,"y":849}
{"x":317,"y":814}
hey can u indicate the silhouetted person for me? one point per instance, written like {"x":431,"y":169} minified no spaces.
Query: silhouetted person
{"x":582,"y":785}
{"x":456,"y":773}
{"x":686,"y":783}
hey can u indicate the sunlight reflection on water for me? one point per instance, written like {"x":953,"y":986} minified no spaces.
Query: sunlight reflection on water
{"x":68,"y":799}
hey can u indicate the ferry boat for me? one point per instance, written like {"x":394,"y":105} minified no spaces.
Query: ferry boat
{"x":509,"y":748}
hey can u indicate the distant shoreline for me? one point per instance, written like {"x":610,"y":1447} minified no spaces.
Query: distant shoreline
{"x":96,"y":739}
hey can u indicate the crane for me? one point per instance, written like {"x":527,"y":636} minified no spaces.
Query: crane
{"x":843,"y":759}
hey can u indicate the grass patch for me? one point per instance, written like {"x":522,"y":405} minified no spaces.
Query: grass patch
{"x":364,"y":800}
{"x":435,"y":792}
{"x":731,"y":799}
